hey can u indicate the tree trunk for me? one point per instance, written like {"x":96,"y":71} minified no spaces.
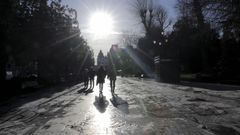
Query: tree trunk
{"x":201,"y":27}
{"x":2,"y":69}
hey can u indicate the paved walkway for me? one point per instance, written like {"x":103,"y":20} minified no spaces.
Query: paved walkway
{"x":140,"y":107}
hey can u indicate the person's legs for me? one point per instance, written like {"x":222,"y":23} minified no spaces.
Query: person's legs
{"x":85,"y":84}
{"x":113,"y":85}
{"x":90,"y":83}
{"x":100,"y":87}
{"x":93,"y":83}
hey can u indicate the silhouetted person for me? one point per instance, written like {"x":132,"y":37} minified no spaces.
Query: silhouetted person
{"x":112,"y":76}
{"x":101,"y":74}
{"x":91,"y":74}
{"x":85,"y":78}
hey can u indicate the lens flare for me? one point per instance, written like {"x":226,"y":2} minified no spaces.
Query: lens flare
{"x":101,"y":24}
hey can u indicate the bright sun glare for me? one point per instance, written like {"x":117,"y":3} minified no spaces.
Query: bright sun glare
{"x":101,"y":24}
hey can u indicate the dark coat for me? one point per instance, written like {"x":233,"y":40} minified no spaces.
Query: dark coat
{"x":112,"y":75}
{"x":101,"y":74}
{"x":91,"y":74}
{"x":85,"y":75}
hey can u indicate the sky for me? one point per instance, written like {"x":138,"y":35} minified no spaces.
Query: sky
{"x":123,"y":16}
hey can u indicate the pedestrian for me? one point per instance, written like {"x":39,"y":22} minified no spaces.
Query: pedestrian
{"x":91,"y":75}
{"x":85,"y":78}
{"x":112,"y":76}
{"x":101,"y":74}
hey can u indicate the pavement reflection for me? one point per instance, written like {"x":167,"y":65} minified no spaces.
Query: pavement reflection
{"x":101,"y":114}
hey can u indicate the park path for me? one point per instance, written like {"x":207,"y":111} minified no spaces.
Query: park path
{"x":141,"y":107}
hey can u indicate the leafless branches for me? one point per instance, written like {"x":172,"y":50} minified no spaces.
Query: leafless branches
{"x":152,"y":15}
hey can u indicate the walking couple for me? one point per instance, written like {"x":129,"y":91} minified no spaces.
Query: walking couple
{"x":111,"y":75}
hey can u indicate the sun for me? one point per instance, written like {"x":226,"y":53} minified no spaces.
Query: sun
{"x":101,"y":24}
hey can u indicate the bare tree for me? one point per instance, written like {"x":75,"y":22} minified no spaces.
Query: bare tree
{"x":161,"y":17}
{"x":193,"y":10}
{"x":145,"y":12}
{"x":224,"y":14}
{"x":184,"y":8}
{"x":152,"y":15}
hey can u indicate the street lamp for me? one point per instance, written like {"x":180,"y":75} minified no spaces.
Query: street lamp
{"x":155,"y":42}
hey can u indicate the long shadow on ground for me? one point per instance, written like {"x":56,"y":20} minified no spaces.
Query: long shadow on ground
{"x":119,"y":103}
{"x":85,"y":90}
{"x":101,"y":103}
{"x":13,"y":103}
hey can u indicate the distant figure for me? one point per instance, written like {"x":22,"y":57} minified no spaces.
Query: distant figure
{"x":101,"y":74}
{"x":85,"y":78}
{"x":112,"y":76}
{"x":91,"y":74}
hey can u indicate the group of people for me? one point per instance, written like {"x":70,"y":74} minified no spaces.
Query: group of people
{"x":101,"y":73}
{"x":88,"y":78}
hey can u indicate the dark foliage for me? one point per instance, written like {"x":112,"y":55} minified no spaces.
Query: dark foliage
{"x":42,"y":37}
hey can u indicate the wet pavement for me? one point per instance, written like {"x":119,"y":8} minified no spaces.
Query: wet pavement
{"x":140,"y":106}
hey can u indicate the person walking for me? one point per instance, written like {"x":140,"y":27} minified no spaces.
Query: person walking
{"x":91,"y":75}
{"x":112,"y":76}
{"x":85,"y":78}
{"x":101,"y":74}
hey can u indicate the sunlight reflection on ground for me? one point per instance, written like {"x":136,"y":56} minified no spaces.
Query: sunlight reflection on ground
{"x":102,"y":119}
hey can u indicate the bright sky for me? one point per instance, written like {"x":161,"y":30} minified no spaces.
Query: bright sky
{"x":110,"y":17}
